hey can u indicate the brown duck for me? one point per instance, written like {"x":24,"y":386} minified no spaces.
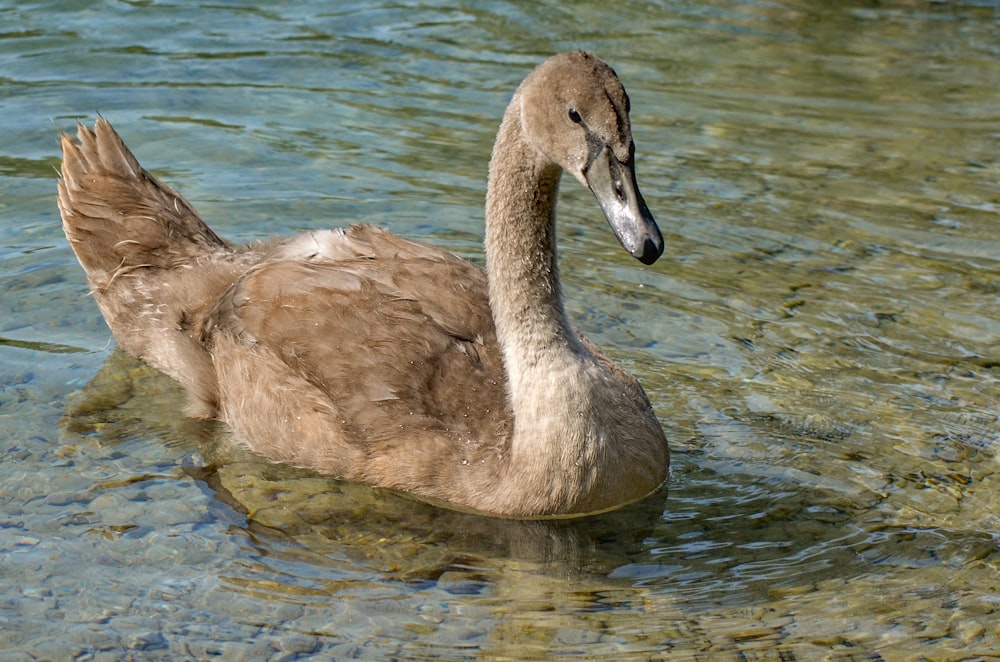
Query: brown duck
{"x":369,"y":357}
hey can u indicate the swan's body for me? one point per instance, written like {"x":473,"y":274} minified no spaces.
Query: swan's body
{"x":369,"y":357}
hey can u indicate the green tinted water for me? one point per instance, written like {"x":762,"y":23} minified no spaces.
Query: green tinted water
{"x":820,"y":340}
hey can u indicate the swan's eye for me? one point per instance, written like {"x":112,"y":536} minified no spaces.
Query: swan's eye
{"x":574,"y":116}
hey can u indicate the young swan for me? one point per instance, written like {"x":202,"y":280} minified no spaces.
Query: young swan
{"x":372,"y":358}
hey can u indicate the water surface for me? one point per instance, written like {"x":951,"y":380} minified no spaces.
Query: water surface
{"x":820,"y":339}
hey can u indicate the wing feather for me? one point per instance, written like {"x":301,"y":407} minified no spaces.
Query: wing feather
{"x":393,"y":332}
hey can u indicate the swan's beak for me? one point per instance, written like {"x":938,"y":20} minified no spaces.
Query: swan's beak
{"x":614,"y":185}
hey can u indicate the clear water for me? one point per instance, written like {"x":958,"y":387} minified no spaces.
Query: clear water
{"x":821,"y":341}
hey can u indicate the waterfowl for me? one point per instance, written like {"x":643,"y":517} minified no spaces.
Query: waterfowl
{"x":369,"y":357}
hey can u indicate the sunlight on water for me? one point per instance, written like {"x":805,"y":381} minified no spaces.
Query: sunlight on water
{"x":820,"y":339}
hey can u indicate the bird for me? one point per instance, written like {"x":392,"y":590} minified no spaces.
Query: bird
{"x":366,"y":356}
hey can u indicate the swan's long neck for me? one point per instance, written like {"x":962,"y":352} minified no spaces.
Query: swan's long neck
{"x":549,"y":372}
{"x":521,"y":251}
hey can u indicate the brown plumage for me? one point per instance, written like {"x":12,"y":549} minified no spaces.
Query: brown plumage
{"x":369,"y":357}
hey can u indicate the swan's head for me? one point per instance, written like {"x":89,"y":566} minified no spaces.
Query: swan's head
{"x":574,"y":110}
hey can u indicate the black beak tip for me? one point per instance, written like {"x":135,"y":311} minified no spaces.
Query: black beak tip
{"x":650,"y":252}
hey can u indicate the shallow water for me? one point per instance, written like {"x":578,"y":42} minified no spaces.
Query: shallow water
{"x":820,"y":340}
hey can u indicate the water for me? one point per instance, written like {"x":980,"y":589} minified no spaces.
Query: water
{"x":820,"y":340}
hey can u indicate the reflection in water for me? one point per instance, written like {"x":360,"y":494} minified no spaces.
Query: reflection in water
{"x":821,"y":341}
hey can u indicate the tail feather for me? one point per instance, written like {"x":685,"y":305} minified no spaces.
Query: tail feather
{"x":119,"y":217}
{"x":154,"y":267}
